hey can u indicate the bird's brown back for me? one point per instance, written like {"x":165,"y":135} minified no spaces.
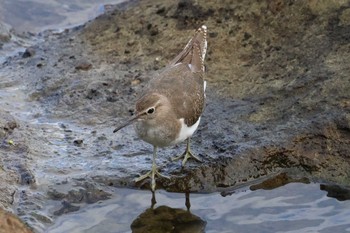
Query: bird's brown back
{"x":184,"y":90}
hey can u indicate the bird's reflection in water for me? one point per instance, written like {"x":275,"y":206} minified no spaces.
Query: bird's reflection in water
{"x":166,"y":219}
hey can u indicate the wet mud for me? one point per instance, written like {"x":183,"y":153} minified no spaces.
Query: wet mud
{"x":278,"y":102}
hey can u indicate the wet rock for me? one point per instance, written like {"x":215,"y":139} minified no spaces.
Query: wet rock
{"x":11,"y":223}
{"x":167,"y":219}
{"x":7,"y":124}
{"x":8,"y":182}
{"x":272,"y":73}
{"x":42,"y":218}
{"x":78,"y":142}
{"x":278,"y":181}
{"x":86,"y":193}
{"x":29,"y":52}
{"x":56,"y":195}
{"x":83,"y":65}
{"x":5,"y":34}
{"x":336,"y":191}
{"x":26,"y":176}
{"x":66,"y":208}
{"x":39,"y":65}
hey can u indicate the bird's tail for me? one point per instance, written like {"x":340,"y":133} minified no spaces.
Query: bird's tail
{"x":194,"y":52}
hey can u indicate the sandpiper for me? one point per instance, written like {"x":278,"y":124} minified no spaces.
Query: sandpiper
{"x":170,"y":108}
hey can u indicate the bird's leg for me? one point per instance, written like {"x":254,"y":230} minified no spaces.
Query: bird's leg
{"x":152,"y":173}
{"x":153,"y":200}
{"x":187,"y":154}
{"x":187,"y":202}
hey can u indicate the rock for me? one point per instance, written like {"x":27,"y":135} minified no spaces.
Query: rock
{"x":8,"y":182}
{"x":66,"y":208}
{"x":78,"y":142}
{"x":277,"y":181}
{"x":26,"y":175}
{"x":345,"y":17}
{"x":324,"y":6}
{"x":7,"y":124}
{"x":268,"y":78}
{"x":29,"y":52}
{"x":167,"y":219}
{"x":11,"y":223}
{"x":86,"y":193}
{"x":5,"y":34}
{"x":83,"y":65}
{"x":336,"y":191}
{"x":188,"y":14}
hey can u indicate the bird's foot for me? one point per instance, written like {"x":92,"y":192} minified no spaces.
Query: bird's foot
{"x":186,"y":155}
{"x":151,"y":174}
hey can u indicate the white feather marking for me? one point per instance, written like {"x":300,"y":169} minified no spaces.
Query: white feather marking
{"x":185,"y":131}
{"x":204,"y":49}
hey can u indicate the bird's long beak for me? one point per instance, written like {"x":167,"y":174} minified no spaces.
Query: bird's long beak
{"x":128,"y":122}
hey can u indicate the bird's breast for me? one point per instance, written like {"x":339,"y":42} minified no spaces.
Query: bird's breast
{"x":161,"y":133}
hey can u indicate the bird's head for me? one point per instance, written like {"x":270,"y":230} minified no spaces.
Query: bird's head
{"x":148,"y":108}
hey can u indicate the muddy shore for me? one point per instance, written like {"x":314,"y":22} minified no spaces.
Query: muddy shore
{"x":278,"y":101}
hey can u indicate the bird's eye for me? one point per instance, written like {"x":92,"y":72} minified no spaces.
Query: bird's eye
{"x":150,"y":111}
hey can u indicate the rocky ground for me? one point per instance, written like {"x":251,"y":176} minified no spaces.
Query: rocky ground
{"x":278,"y":101}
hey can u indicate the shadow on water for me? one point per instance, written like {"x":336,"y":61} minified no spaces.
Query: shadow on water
{"x":294,"y":207}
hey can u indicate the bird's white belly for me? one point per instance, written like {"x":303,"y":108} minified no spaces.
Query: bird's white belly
{"x":185,"y":131}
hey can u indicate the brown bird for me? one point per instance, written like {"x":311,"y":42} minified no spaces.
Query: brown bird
{"x":169,"y":110}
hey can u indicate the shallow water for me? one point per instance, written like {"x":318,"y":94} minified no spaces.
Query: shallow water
{"x":38,"y":15}
{"x":294,"y":207}
{"x":35,"y":16}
